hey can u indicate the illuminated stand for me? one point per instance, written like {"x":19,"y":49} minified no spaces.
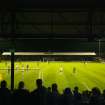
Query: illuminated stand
{"x":50,"y":53}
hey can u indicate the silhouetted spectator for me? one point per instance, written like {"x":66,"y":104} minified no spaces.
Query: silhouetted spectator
{"x":5,"y":94}
{"x":77,"y":96}
{"x":21,"y":95}
{"x":39,"y":95}
{"x":55,"y":96}
{"x":67,"y":97}
{"x":49,"y":96}
{"x":103,"y":97}
{"x":103,"y":94}
{"x":85,"y":97}
{"x":95,"y":97}
{"x":49,"y":89}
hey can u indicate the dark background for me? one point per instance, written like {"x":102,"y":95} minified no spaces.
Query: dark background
{"x":52,"y":25}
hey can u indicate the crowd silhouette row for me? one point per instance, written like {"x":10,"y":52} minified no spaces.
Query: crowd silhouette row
{"x":49,"y":96}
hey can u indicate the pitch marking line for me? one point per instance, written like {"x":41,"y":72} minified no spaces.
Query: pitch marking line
{"x":87,"y":87}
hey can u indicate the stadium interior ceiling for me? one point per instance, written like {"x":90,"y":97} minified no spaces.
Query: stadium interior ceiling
{"x":54,"y":25}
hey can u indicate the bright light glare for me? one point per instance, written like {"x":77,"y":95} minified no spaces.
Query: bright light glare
{"x":50,"y":53}
{"x":6,"y":53}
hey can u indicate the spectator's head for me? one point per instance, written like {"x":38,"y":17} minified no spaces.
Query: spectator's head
{"x":67,"y":91}
{"x":54,"y":87}
{"x":104,"y":91}
{"x":76,"y":89}
{"x":21,"y":85}
{"x":85,"y":93}
{"x":3,"y":84}
{"x":39,"y":83}
{"x":49,"y":89}
{"x":96,"y":91}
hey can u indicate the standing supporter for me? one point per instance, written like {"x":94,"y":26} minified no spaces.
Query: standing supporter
{"x":5,"y":94}
{"x":39,"y":95}
{"x":21,"y":95}
{"x":67,"y":97}
{"x":55,"y":96}
{"x":77,"y":96}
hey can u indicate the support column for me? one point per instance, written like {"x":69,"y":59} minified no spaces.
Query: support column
{"x":12,"y":70}
{"x":99,"y":47}
{"x":13,"y":32}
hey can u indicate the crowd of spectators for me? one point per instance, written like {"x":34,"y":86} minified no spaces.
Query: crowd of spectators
{"x":49,"y":96}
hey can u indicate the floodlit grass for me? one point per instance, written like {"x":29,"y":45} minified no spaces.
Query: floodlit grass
{"x":87,"y":75}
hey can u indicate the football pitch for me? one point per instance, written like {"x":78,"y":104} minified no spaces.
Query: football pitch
{"x":85,"y":76}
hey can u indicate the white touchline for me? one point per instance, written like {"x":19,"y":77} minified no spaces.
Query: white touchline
{"x":40,"y":75}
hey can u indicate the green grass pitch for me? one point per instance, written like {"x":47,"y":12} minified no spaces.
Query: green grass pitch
{"x":86,"y":76}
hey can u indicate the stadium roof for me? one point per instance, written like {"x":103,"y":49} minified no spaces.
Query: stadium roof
{"x":52,"y":24}
{"x":60,"y":3}
{"x":81,"y":19}
{"x":52,"y":3}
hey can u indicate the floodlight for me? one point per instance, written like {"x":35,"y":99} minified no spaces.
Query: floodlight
{"x":50,"y":53}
